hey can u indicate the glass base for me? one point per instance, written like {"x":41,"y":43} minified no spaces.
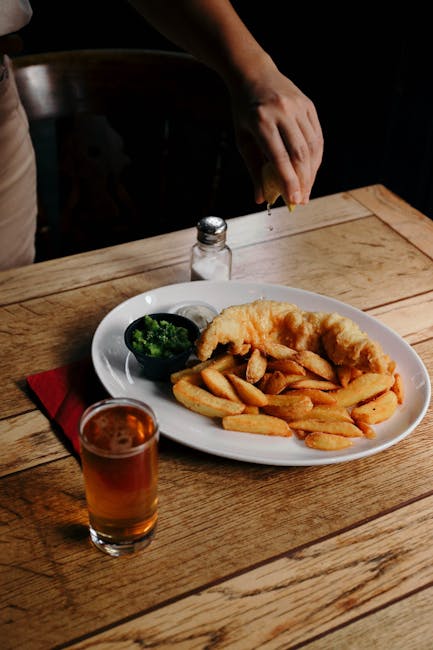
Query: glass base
{"x":115,"y":549}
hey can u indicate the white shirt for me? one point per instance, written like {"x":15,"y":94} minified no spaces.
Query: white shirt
{"x":14,"y":14}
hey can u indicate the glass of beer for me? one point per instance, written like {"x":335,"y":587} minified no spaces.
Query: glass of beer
{"x":119,"y":456}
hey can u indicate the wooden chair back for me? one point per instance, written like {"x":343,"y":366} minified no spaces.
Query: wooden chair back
{"x":129,"y":143}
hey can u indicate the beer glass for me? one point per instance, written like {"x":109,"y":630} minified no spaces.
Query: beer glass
{"x":119,"y":456}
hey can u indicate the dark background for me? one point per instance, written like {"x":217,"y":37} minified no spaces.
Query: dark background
{"x":370,"y":78}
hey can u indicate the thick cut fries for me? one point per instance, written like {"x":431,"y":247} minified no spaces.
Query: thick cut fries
{"x":222,"y":362}
{"x":286,"y":366}
{"x":272,"y":389}
{"x":397,"y":387}
{"x":256,"y":367}
{"x":320,"y":384}
{"x":264,"y":424}
{"x":362,"y":388}
{"x":291,"y":411}
{"x":327,"y":441}
{"x":330,"y":412}
{"x":248,"y":393}
{"x":317,"y":364}
{"x":288,"y":399}
{"x":376,"y":410}
{"x":200,"y":400}
{"x":340,"y":428}
{"x":344,"y":374}
{"x":316,"y":395}
{"x":218,"y":384}
{"x":278,"y":381}
{"x":277,"y":350}
{"x":366,"y":429}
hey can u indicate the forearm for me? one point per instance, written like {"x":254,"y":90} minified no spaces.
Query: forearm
{"x":274,"y":121}
{"x":212,"y":31}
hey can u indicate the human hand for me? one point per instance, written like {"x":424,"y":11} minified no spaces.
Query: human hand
{"x":275,"y":121}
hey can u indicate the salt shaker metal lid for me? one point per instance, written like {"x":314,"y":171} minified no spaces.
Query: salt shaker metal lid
{"x":211,"y":230}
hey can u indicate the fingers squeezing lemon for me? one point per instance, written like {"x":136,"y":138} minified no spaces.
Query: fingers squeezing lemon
{"x":272,"y":188}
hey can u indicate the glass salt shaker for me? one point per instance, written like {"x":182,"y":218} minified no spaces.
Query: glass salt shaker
{"x":211,"y":258}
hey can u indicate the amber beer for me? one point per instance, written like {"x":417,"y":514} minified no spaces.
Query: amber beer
{"x":119,"y":454}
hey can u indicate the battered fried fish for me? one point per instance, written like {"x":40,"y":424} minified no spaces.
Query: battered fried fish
{"x":256,"y":324}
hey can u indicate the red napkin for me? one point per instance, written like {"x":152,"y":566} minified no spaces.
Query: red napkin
{"x":65,"y":392}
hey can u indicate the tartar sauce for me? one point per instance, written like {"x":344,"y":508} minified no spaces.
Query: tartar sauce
{"x":200,"y":312}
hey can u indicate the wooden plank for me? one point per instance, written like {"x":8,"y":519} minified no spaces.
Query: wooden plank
{"x":277,"y":605}
{"x":280,"y":223}
{"x":57,"y":330}
{"x":217,"y":517}
{"x":64,"y":274}
{"x":411,"y":318}
{"x":168,"y":250}
{"x":27,"y":441}
{"x":320,"y":261}
{"x":406,"y":220}
{"x":402,"y":625}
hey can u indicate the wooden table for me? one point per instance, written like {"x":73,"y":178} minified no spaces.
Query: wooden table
{"x":245,"y":556}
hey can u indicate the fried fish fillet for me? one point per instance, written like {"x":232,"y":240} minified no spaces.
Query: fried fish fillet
{"x":253,"y":325}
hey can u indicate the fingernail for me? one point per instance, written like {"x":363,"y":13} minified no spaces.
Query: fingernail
{"x":295,"y":198}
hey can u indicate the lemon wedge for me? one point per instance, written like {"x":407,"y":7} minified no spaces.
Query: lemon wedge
{"x":272,"y":186}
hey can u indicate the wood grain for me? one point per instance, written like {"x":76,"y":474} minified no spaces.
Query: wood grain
{"x":234,"y":515}
{"x":166,"y":250}
{"x":244,"y":555}
{"x":406,"y":220}
{"x":320,"y":260}
{"x":277,"y":604}
{"x":412,"y":318}
{"x":307,"y":260}
{"x":401,"y":625}
{"x":28,"y":440}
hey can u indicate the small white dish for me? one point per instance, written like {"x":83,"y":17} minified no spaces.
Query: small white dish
{"x":200,"y":312}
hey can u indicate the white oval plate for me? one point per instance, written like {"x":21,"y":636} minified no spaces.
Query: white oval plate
{"x":120,"y":374}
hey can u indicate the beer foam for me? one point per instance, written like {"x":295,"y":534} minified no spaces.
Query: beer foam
{"x":118,"y":436}
{"x":118,"y":433}
{"x":122,"y":439}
